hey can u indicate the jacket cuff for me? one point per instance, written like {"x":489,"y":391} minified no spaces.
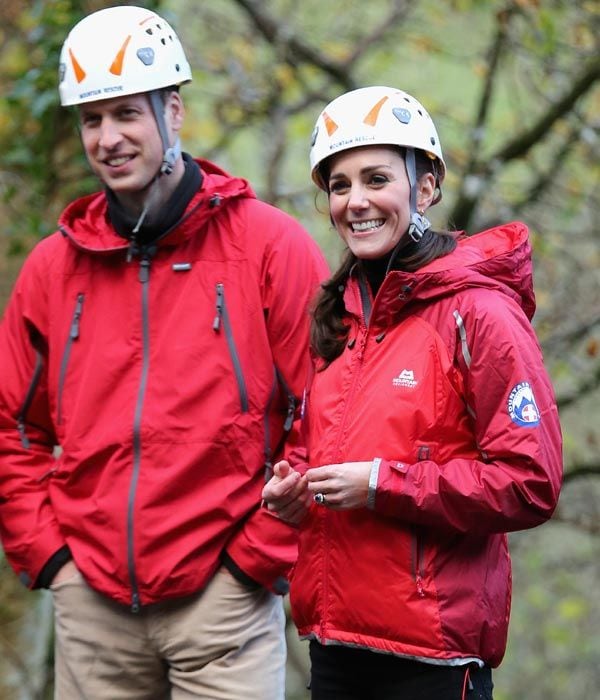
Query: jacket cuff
{"x":52,"y":566}
{"x":373,"y":478}
{"x":386,"y":485}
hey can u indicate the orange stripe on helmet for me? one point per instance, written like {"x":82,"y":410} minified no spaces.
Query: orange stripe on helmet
{"x":373,"y":115}
{"x":77,"y":69}
{"x":117,"y":65}
{"x":330,"y":125}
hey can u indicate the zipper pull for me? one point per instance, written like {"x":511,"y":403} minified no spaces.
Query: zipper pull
{"x":74,"y":332}
{"x":144,"y":270}
{"x":21,"y":430}
{"x":420,"y":589}
{"x":289,"y":419}
{"x":135,"y":603}
{"x":219,"y":306}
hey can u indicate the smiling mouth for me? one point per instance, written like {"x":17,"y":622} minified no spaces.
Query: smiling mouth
{"x":370,"y":225}
{"x":116,"y":162}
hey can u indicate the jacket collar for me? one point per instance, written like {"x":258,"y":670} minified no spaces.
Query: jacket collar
{"x":86,"y":224}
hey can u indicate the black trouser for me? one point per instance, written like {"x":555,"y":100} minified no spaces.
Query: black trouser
{"x":345,"y":673}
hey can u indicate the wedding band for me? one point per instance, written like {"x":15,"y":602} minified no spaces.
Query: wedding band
{"x":319,"y":499}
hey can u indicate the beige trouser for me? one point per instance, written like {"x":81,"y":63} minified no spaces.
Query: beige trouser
{"x":225,"y":643}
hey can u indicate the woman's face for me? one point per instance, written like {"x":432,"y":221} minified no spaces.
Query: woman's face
{"x":369,"y":196}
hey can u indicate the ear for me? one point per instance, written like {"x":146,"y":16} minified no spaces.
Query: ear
{"x":425,"y":191}
{"x":175,"y":111}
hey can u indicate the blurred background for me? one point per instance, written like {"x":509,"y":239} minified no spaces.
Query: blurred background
{"x":513,"y":87}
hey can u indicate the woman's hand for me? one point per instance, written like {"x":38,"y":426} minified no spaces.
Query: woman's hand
{"x":342,"y":486}
{"x":286,"y":493}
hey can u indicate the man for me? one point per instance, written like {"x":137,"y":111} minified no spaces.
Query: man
{"x":160,"y":338}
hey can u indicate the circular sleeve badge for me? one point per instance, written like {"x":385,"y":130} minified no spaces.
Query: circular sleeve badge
{"x":522,"y":407}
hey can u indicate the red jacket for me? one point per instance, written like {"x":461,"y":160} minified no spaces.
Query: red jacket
{"x":442,"y":385}
{"x":169,"y":383}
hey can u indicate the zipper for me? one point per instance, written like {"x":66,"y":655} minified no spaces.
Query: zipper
{"x":144,"y":278}
{"x":291,"y":402}
{"x":417,"y":563}
{"x":367,"y":307}
{"x":27,"y":401}
{"x":73,"y":335}
{"x":267,"y":450}
{"x":222,"y":317}
{"x":418,"y":548}
{"x":278,"y":380}
{"x":359,"y":356}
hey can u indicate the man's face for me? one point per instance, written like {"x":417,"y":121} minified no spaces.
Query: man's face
{"x":122,"y":143}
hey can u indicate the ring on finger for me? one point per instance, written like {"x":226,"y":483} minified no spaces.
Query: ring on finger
{"x":319,"y":499}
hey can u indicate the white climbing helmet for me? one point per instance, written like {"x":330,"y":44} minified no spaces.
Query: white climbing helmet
{"x":120,"y":51}
{"x":371,"y":116}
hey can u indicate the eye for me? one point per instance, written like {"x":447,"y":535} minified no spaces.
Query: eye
{"x":378,"y":180}
{"x":89,"y":120}
{"x":338,"y":186}
{"x":128,"y":113}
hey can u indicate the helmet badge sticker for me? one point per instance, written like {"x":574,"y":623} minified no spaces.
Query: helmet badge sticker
{"x":330,"y":125}
{"x":77,"y":69}
{"x":402,"y":115}
{"x":373,"y":115}
{"x":146,"y":55}
{"x":117,"y":65}
{"x":522,"y":408}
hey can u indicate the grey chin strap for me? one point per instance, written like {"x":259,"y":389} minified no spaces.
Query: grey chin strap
{"x":170,"y":153}
{"x":170,"y":156}
{"x":418,"y":223}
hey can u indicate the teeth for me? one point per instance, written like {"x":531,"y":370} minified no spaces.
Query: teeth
{"x":366,"y":225}
{"x":118,"y":161}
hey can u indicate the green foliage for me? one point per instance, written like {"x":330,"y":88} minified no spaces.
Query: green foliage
{"x":44,"y":165}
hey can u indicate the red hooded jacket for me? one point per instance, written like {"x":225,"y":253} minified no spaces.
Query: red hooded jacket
{"x":442,"y":385}
{"x":169,"y":382}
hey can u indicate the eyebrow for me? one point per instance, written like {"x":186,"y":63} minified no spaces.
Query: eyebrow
{"x":366,"y":169}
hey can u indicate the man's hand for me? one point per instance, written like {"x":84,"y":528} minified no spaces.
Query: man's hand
{"x":286,"y":493}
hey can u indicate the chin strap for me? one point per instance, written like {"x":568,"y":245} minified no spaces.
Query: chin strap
{"x":170,"y":156}
{"x":170,"y":153}
{"x":418,"y":222}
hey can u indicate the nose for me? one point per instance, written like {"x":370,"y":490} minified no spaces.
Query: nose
{"x":357,"y":199}
{"x":110,"y":136}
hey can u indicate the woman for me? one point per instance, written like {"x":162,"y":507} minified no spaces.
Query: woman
{"x":430,"y":422}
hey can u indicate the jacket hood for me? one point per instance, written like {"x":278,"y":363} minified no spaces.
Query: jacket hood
{"x":498,"y":258}
{"x":85,"y":221}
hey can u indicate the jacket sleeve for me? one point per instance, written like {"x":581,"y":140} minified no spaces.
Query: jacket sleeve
{"x":28,"y":529}
{"x":292,"y":269}
{"x":515,"y":482}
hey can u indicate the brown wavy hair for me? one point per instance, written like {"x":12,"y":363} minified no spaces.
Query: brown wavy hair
{"x":329,"y":329}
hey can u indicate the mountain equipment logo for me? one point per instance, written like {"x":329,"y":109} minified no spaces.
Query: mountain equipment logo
{"x":522,"y":407}
{"x":406,"y":378}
